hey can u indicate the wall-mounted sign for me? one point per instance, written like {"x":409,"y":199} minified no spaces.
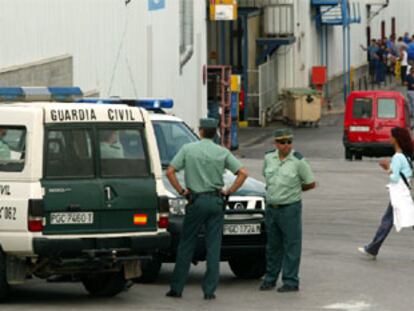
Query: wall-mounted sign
{"x":223,"y":10}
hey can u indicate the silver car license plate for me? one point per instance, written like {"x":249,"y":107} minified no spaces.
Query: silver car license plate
{"x":241,"y":229}
{"x":78,"y":218}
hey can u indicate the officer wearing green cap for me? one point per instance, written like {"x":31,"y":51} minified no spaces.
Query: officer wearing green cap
{"x":204,"y":163}
{"x":287,"y":174}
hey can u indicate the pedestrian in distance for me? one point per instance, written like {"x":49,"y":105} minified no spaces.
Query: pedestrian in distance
{"x":404,"y":64}
{"x":409,"y":81}
{"x":204,"y":163}
{"x":287,"y":174}
{"x":399,"y":166}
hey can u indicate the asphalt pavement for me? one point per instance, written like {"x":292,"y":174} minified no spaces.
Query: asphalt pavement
{"x":340,"y":215}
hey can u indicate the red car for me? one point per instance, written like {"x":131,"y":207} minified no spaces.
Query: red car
{"x":369,"y":117}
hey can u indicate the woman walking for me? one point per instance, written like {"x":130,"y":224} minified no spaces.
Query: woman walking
{"x":399,"y":169}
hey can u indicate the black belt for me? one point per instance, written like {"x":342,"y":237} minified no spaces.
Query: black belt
{"x":198,"y":194}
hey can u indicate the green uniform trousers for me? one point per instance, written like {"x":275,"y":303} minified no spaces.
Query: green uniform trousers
{"x":206,"y":210}
{"x":284,"y":243}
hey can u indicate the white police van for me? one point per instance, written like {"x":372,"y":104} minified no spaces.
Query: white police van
{"x":81,"y":190}
{"x":244,"y":235}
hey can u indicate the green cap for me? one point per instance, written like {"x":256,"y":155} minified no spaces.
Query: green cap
{"x":283,"y":134}
{"x":208,"y":123}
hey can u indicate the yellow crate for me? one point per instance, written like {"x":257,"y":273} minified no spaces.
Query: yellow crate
{"x":243,"y":124}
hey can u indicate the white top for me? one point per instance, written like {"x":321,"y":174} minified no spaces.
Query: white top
{"x":404,"y":61}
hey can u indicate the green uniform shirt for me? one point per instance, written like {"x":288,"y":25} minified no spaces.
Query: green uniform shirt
{"x":284,"y":179}
{"x":204,"y":163}
{"x":111,"y":151}
{"x":4,"y":151}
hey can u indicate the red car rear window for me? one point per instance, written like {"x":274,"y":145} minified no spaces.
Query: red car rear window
{"x":362,"y":108}
{"x":387,"y":108}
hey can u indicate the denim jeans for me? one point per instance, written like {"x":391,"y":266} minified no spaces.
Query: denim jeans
{"x":382,"y":231}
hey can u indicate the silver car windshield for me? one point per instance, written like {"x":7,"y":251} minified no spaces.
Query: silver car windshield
{"x":171,"y":136}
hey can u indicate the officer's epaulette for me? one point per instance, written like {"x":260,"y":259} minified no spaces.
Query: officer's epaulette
{"x":298,"y":155}
{"x":270,"y":151}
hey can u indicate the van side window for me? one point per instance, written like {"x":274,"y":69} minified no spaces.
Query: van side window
{"x":12,"y":148}
{"x":69,"y":154}
{"x":122,"y":153}
{"x":387,"y":108}
{"x":362,"y":108}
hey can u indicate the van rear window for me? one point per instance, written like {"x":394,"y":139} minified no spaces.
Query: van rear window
{"x":387,"y":108}
{"x":362,"y":108}
{"x":122,"y":153}
{"x":12,"y":148}
{"x":69,"y":154}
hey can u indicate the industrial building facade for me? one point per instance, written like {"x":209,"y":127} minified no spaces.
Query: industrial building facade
{"x":161,"y":48}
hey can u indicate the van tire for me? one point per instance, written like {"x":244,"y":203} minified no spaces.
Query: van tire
{"x":4,"y":286}
{"x":250,"y":267}
{"x":348,"y":154}
{"x":358,"y":156}
{"x":105,"y":284}
{"x":150,"y":271}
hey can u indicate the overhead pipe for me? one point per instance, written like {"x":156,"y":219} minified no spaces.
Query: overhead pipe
{"x":186,"y":32}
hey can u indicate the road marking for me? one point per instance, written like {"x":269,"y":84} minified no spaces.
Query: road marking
{"x":351,"y":306}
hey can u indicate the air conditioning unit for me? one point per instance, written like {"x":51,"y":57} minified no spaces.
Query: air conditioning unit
{"x":279,"y":20}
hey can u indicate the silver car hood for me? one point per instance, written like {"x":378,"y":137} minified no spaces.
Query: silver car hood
{"x":251,"y":187}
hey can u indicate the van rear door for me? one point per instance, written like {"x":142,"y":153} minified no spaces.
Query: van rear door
{"x":359,"y":120}
{"x":130,"y":196}
{"x":388,"y":115}
{"x":73,"y":195}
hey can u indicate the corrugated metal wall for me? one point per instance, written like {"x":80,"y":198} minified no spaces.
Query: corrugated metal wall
{"x":295,"y":61}
{"x":119,"y":50}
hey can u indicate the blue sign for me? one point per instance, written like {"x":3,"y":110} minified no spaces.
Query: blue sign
{"x":156,"y":5}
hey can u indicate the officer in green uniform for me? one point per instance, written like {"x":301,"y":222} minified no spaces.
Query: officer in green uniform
{"x":109,"y":146}
{"x":4,"y":148}
{"x":287,"y":174}
{"x":204,"y":163}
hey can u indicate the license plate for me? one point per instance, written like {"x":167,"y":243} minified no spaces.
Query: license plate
{"x":71,"y":218}
{"x":241,"y":229}
{"x":359,"y":128}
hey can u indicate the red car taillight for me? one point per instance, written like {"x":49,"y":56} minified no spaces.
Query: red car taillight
{"x":163,"y":212}
{"x":35,"y":219}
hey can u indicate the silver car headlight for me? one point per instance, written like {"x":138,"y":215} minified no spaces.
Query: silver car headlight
{"x":177,"y":206}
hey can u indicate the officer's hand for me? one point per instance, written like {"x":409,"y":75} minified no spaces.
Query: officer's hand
{"x":225,"y":193}
{"x":186,"y":193}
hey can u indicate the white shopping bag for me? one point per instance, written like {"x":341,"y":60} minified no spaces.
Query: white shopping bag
{"x":403,"y":205}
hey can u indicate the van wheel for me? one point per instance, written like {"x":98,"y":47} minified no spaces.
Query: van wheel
{"x":358,"y":156}
{"x":150,"y":271}
{"x":105,"y":284}
{"x":4,"y":286}
{"x":248,"y":267}
{"x":348,"y":154}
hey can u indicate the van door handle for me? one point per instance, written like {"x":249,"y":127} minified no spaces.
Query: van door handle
{"x":108,"y":193}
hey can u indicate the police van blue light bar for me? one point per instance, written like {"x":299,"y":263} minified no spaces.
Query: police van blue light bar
{"x":10,"y":94}
{"x":147,"y":103}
